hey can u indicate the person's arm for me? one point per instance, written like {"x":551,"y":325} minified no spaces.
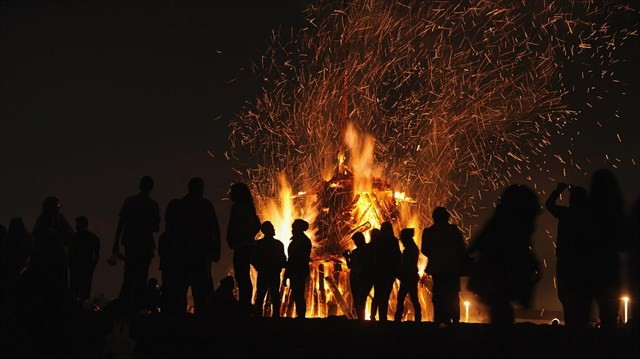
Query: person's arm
{"x":156,"y":218}
{"x":551,"y":205}
{"x":425,"y":247}
{"x":96,"y":252}
{"x":115,"y":252}
{"x":215,"y":255}
{"x":232,"y":227}
{"x":119,"y":229}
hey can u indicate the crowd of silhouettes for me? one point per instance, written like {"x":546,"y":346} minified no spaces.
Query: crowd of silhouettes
{"x":52,"y":265}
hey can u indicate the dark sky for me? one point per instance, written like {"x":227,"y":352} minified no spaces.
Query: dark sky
{"x":97,"y":94}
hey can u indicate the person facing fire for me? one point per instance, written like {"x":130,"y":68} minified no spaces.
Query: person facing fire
{"x":268,"y":260}
{"x":408,"y":276}
{"x":386,"y":266}
{"x":244,"y":224}
{"x":139,"y":219}
{"x":83,"y":257}
{"x":359,"y":262}
{"x":297,"y":268}
{"x":193,"y":224}
{"x":52,"y":235}
{"x":444,"y":247}
{"x":571,"y":260}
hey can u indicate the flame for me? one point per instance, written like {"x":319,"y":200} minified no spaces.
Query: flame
{"x":282,"y":211}
{"x":373,"y":202}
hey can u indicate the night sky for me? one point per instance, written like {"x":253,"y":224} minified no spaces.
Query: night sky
{"x":97,"y":94}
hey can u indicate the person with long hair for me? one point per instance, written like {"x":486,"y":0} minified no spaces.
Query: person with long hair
{"x":244,"y":224}
{"x":506,"y":269}
{"x":386,"y":268}
{"x":605,"y":223}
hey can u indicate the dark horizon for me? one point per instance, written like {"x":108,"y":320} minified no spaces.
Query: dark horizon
{"x":96,"y":95}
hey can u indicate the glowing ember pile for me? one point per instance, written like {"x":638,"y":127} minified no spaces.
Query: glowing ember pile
{"x":457,"y":96}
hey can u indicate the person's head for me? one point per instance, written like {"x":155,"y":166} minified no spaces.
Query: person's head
{"x":146,"y":184}
{"x":605,"y":192}
{"x":358,"y":239}
{"x":16,"y":228}
{"x":51,"y":205}
{"x":82,"y":224}
{"x":226,"y":284}
{"x":577,"y":196}
{"x":196,"y":186}
{"x":374,"y":234}
{"x":267,"y":229}
{"x":152,"y":283}
{"x":440,"y":215}
{"x":518,"y":206}
{"x":299,"y":226}
{"x":406,"y":235}
{"x":240,"y":193}
{"x":386,"y":230}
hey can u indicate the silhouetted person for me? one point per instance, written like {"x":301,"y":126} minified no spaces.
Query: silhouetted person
{"x":269,"y":259}
{"x":17,"y":247}
{"x":408,"y":276}
{"x":386,"y":268}
{"x":152,"y":295}
{"x":444,"y":247}
{"x":224,"y":302}
{"x":297,"y":268}
{"x":83,"y":257}
{"x":52,"y":235}
{"x":139,"y":219}
{"x":192,"y":223}
{"x":633,"y":245}
{"x":506,"y":270}
{"x":360,"y":263}
{"x":244,"y":224}
{"x":605,"y":222}
{"x":572,"y":264}
{"x":173,"y":269}
{"x":374,"y":235}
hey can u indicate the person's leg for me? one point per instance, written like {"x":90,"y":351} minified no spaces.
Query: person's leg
{"x":242,"y":271}
{"x":201,"y":285}
{"x":439,"y":303}
{"x":141,"y":275}
{"x":74,"y":285}
{"x":383,"y":303}
{"x":402,"y":293}
{"x":413,"y":294}
{"x":274,"y":292}
{"x":454,"y":303}
{"x":261,"y":290}
{"x":298,"y":288}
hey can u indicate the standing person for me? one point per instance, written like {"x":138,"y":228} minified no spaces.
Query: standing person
{"x":408,"y":276}
{"x":374,"y":235}
{"x":83,"y":257}
{"x":269,"y":259}
{"x":52,"y":235}
{"x":506,"y":270}
{"x":244,"y":224}
{"x":16,"y":250}
{"x":192,"y":226}
{"x":572,"y":266}
{"x":443,"y":245}
{"x":605,"y":222}
{"x":139,"y":219}
{"x":297,"y":268}
{"x":386,"y":267}
{"x":360,"y":265}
